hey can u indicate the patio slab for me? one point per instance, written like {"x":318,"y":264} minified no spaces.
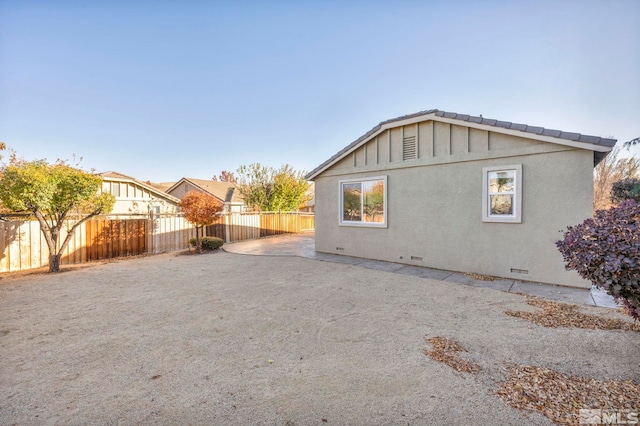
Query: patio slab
{"x":381,"y":265}
{"x":422,"y":272}
{"x":502,"y":285}
{"x":303,"y":245}
{"x":555,"y":292}
{"x":601,"y":298}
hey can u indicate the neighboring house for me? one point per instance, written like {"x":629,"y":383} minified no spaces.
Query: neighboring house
{"x":459,"y":193}
{"x":162,"y":186}
{"x":310,"y":202}
{"x":225,"y":192}
{"x":136,"y":197}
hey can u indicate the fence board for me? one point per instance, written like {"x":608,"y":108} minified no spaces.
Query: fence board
{"x":22,"y":245}
{"x":4,"y":266}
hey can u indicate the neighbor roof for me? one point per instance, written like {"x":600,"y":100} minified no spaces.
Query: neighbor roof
{"x":599,"y":145}
{"x":224,"y":191}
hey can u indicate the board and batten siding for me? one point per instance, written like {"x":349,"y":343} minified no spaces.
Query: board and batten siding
{"x":436,"y":143}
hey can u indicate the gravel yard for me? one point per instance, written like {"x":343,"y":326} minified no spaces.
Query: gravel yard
{"x":230,"y":339}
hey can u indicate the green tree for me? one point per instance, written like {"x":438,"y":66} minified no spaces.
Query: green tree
{"x":52,"y":192}
{"x":199,"y":209}
{"x":625,"y":189}
{"x":269,"y":189}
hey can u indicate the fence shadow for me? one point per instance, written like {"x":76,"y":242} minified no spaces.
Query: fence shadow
{"x":11,"y":232}
{"x":111,"y":238}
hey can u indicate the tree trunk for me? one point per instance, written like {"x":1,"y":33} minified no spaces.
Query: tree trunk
{"x":54,"y":263}
{"x":198,"y":247}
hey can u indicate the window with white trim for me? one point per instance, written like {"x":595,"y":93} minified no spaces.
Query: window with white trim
{"x":115,"y":189}
{"x":363,"y":202}
{"x":502,"y":194}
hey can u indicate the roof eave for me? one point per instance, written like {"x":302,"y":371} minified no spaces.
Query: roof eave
{"x":144,"y":185}
{"x":433,"y":115}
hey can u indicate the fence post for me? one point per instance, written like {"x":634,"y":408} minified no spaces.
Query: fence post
{"x":227,"y":231}
{"x":149,"y":233}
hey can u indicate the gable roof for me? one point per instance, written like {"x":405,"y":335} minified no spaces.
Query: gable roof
{"x":119,"y":177}
{"x":223,"y":191}
{"x":162,"y":186}
{"x":600,"y":146}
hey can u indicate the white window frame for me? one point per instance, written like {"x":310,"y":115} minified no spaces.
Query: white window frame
{"x":343,"y":222}
{"x":115,"y":185}
{"x":516,"y":217}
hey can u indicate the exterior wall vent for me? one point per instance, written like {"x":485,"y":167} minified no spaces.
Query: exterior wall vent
{"x":409,"y":148}
{"x":519,"y":271}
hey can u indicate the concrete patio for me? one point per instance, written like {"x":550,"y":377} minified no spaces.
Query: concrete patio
{"x":302,"y":245}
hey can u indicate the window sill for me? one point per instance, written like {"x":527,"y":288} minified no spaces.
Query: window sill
{"x":363,"y":225}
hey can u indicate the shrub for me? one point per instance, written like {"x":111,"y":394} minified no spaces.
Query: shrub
{"x":606,"y":251}
{"x":625,"y":189}
{"x":208,"y":243}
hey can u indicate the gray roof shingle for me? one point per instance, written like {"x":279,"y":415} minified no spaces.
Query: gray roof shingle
{"x":576,"y":137}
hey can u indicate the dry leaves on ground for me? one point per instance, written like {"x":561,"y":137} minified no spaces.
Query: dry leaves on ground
{"x":480,"y":276}
{"x":556,"y":314}
{"x":560,"y":397}
{"x":448,"y":352}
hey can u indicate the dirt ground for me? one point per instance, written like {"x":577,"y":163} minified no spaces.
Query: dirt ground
{"x":231,"y":339}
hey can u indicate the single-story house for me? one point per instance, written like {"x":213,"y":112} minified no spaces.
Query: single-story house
{"x":459,"y":193}
{"x":225,"y":192}
{"x":136,"y":197}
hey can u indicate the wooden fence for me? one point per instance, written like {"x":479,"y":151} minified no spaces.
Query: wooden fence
{"x":248,"y":226}
{"x":107,"y":238}
{"x":22,"y":245}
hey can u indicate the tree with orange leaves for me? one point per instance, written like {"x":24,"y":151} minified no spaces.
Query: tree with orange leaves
{"x":199,"y":209}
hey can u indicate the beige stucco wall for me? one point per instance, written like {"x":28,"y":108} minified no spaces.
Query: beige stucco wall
{"x":435,"y":204}
{"x":182,"y":189}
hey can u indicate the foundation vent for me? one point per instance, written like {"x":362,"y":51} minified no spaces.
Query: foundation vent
{"x":519,"y":271}
{"x":340,"y":248}
{"x":416,"y":258}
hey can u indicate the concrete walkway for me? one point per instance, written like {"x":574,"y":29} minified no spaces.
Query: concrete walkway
{"x":303,"y":245}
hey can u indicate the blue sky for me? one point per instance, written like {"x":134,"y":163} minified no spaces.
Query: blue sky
{"x":160,"y":90}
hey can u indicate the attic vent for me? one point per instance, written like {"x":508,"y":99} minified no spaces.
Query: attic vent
{"x":409,"y":148}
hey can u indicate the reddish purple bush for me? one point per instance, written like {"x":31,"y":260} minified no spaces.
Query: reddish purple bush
{"x":606,"y":251}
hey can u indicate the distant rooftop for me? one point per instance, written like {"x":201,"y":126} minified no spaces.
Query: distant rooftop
{"x":224,"y":191}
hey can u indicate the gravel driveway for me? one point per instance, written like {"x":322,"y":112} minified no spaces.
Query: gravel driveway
{"x":230,"y":339}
